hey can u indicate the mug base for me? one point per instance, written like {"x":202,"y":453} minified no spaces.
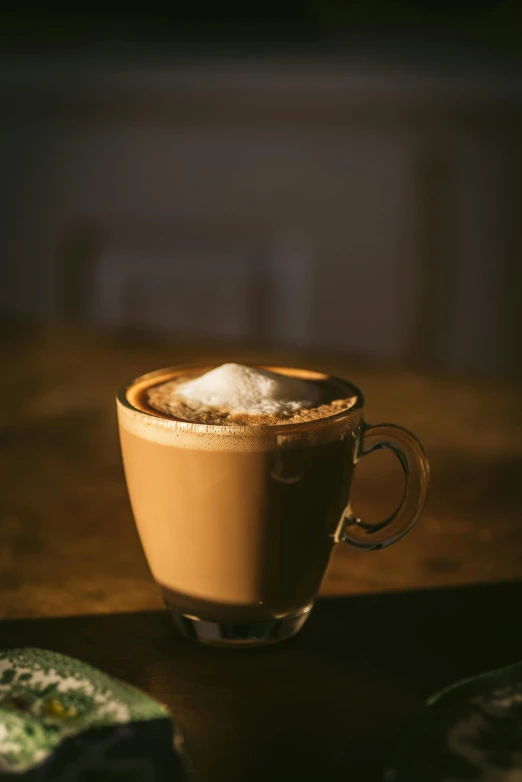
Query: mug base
{"x":238,"y":634}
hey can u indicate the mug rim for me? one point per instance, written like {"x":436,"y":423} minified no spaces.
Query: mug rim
{"x":226,"y":429}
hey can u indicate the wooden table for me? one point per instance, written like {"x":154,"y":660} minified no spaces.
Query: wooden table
{"x":331,"y":701}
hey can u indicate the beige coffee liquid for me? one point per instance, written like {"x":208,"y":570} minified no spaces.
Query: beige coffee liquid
{"x":237,"y":522}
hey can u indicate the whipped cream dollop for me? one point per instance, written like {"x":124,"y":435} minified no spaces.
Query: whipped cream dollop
{"x":243,"y":389}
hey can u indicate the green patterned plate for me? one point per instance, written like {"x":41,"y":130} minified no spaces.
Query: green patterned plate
{"x":63,"y":719}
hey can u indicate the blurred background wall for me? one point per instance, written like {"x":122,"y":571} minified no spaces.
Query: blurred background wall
{"x":334,"y":179}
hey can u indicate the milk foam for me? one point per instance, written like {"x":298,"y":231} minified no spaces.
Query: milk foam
{"x":185,"y":424}
{"x":242,"y":389}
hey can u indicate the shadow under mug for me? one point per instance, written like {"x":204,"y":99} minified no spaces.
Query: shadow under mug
{"x":238,"y":522}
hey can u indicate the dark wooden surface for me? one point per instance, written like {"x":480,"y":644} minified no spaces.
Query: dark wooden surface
{"x":328,"y":705}
{"x":390,"y":627}
{"x":68,"y":542}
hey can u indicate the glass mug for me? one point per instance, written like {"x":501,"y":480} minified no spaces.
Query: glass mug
{"x":238,"y":522}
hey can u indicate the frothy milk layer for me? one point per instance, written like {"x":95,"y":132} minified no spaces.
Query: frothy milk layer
{"x":158,"y":412}
{"x":241,"y":389}
{"x":239,"y":394}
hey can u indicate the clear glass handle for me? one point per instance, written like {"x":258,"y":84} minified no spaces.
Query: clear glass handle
{"x":416,"y":473}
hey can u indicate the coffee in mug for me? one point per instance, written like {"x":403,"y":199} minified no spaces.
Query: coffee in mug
{"x":239,"y":479}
